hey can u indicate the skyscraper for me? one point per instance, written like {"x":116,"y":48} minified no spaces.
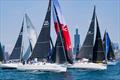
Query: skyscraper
{"x":76,"y":42}
{"x":5,"y":54}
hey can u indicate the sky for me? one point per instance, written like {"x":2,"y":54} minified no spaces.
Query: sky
{"x":77,"y":14}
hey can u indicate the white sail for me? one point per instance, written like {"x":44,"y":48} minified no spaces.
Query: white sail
{"x":32,"y":37}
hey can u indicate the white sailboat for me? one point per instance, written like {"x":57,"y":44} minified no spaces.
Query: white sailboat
{"x":39,"y":57}
{"x":91,"y":56}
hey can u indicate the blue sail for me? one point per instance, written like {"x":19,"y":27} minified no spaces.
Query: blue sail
{"x":109,"y":53}
{"x":107,"y":44}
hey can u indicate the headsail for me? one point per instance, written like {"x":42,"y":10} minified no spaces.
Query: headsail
{"x":86,"y":50}
{"x":106,"y":44}
{"x":65,"y":32}
{"x":28,"y":53}
{"x":42,"y":46}
{"x":98,"y":50}
{"x":17,"y":50}
{"x":32,"y":36}
{"x":1,"y":53}
{"x":108,"y":47}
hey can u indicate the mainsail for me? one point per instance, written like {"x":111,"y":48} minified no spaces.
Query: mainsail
{"x":64,"y":30}
{"x":42,"y":46}
{"x":86,"y":50}
{"x":108,"y":47}
{"x":32,"y":37}
{"x":98,"y":50}
{"x":17,"y":50}
{"x":1,"y":53}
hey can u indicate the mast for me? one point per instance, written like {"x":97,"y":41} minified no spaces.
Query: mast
{"x":51,"y":42}
{"x":42,"y":46}
{"x":86,"y":50}
{"x":17,"y":50}
{"x":98,"y":50}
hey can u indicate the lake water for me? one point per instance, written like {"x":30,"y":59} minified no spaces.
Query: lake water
{"x":112,"y":73}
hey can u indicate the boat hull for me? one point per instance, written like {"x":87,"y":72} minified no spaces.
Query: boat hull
{"x":47,"y":67}
{"x":9,"y":65}
{"x":88,"y":65}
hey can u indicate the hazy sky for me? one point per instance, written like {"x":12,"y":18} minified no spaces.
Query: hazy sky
{"x":77,"y":14}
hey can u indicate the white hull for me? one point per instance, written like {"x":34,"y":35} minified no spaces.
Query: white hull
{"x":9,"y":65}
{"x":42,"y":67}
{"x":88,"y":65}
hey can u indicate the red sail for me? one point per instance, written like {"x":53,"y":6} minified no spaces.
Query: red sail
{"x":57,"y":15}
{"x":65,"y":35}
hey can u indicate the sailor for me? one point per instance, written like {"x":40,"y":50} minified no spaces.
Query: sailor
{"x":35,"y":60}
{"x":104,"y":62}
{"x":44,"y":61}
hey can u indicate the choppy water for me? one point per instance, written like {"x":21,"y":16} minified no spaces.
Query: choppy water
{"x":112,"y":73}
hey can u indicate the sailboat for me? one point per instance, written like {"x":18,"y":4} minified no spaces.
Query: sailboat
{"x":39,"y":57}
{"x":84,"y":59}
{"x":32,"y":37}
{"x":15,"y":57}
{"x":109,"y":53}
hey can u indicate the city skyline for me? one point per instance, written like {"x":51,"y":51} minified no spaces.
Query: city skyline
{"x":77,"y":14}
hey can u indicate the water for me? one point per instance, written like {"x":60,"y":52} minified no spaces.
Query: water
{"x":112,"y":73}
